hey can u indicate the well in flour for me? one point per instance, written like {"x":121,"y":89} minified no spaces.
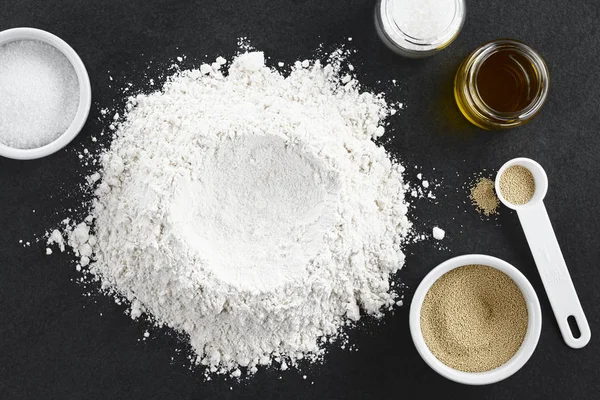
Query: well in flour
{"x":259,"y":210}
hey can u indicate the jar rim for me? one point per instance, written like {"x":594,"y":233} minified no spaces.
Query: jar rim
{"x":480,"y":55}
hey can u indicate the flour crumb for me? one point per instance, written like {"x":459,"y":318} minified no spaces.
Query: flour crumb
{"x":56,"y":238}
{"x":438,"y":233}
{"x":205,"y":69}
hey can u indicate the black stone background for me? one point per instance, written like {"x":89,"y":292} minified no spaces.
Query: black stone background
{"x":56,"y":343}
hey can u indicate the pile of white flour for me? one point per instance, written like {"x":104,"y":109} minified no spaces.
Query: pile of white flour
{"x":249,"y":210}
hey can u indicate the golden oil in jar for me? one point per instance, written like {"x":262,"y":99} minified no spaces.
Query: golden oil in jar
{"x":502,"y":84}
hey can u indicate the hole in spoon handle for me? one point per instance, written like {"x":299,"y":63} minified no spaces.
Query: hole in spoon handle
{"x":554,"y":273}
{"x":575,"y":331}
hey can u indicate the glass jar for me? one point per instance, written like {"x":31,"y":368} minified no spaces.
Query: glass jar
{"x":502,"y":84}
{"x":419,"y":28}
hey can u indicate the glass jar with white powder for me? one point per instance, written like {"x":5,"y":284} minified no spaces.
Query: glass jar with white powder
{"x":419,"y":28}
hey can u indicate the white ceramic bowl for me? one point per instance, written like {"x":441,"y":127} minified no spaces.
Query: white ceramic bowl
{"x":85,"y":93}
{"x":532,"y":336}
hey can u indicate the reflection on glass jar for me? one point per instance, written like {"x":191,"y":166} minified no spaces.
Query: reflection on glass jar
{"x":502,"y":84}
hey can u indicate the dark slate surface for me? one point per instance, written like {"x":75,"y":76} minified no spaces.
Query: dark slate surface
{"x":56,"y":343}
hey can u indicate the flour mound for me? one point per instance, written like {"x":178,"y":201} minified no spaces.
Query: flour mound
{"x":250,"y":211}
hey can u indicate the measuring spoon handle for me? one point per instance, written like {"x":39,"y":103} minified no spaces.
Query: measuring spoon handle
{"x":554,"y":273}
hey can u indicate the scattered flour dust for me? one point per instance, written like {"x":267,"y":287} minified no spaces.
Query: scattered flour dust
{"x":248,"y":210}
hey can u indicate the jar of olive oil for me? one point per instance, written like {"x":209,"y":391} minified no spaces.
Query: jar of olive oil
{"x":502,"y":84}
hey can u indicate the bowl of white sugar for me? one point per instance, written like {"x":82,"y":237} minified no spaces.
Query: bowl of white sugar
{"x":45,"y":93}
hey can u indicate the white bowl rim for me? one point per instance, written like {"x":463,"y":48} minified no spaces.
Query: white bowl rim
{"x":85,"y":93}
{"x":534,"y":326}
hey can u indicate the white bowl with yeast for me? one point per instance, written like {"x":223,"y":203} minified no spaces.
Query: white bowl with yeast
{"x":85,"y":93}
{"x":534,"y":323}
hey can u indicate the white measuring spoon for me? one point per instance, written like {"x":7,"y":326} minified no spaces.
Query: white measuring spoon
{"x":547,"y":255}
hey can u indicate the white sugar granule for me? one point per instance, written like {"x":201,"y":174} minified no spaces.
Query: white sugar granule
{"x":39,"y":94}
{"x":250,"y":211}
